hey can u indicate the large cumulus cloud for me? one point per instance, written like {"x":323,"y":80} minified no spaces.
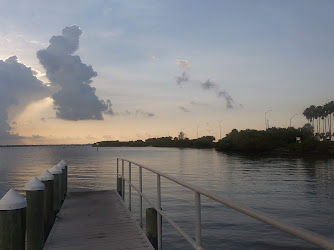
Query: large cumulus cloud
{"x":76,"y":99}
{"x":18,"y":85}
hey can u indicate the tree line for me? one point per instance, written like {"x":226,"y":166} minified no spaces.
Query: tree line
{"x":180,"y":142}
{"x":322,"y":116}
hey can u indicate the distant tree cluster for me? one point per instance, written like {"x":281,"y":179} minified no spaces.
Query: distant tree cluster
{"x":283,"y":139}
{"x":138,"y":143}
{"x":322,"y":116}
{"x":180,"y":142}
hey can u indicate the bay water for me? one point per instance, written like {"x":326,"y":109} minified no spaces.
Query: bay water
{"x":294,"y":190}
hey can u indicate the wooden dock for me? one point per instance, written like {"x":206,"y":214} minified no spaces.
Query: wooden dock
{"x":95,"y":220}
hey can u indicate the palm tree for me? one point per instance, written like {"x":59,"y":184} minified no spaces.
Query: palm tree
{"x":323,"y":113}
{"x":318,"y":113}
{"x":327,"y":120}
{"x":312,"y":114}
{"x":331,"y":111}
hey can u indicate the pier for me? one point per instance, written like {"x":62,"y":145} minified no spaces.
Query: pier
{"x":95,"y":220}
{"x":50,"y":218}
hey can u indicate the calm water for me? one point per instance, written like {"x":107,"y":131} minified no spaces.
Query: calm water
{"x":299,"y":192}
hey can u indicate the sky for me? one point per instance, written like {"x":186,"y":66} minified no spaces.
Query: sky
{"x":74,"y":72}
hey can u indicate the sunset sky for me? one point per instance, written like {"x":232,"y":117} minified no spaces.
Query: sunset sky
{"x":159,"y":67}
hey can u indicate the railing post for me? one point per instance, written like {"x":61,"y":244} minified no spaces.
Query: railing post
{"x":158,"y":214}
{"x":117,"y":168}
{"x":47,"y":179}
{"x":198,"y":219}
{"x":151,"y":226}
{"x":119,"y":181}
{"x":130,"y":186}
{"x":35,"y":218}
{"x":123,"y":182}
{"x":12,"y":221}
{"x":140,"y":197}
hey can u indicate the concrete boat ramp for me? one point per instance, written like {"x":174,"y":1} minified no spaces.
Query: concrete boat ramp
{"x":95,"y":220}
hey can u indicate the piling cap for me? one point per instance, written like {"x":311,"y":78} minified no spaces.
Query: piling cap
{"x":61,"y":165}
{"x":12,"y":200}
{"x":34,"y":185}
{"x":55,"y":170}
{"x":64,"y":163}
{"x":46,"y":176}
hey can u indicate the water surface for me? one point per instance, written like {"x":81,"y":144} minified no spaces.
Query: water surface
{"x":297,"y":191}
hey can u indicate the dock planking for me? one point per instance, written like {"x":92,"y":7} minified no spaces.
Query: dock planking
{"x":95,"y":220}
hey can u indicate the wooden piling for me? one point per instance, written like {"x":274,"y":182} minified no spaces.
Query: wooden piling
{"x":48,"y":180}
{"x":66,"y":174}
{"x":152,"y":226}
{"x":35,"y":218}
{"x":12,"y":221}
{"x":62,"y":181}
{"x":56,"y":188}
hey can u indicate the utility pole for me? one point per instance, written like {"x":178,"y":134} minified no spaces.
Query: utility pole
{"x":220,"y":131}
{"x":291,"y":118}
{"x":265,"y":118}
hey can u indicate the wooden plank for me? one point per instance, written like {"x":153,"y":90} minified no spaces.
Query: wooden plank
{"x":95,"y":220}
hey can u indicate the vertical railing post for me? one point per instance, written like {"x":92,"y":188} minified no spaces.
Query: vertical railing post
{"x":198,"y":219}
{"x":117,"y":168}
{"x":130,"y":186}
{"x":123,"y":182}
{"x":158,"y":214}
{"x":140,"y":197}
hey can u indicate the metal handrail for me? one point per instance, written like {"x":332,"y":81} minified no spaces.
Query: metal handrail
{"x":303,"y":234}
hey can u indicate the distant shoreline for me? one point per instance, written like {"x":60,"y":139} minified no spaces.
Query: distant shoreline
{"x":44,"y":145}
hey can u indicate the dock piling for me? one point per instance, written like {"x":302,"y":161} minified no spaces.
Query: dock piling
{"x":62,"y":181}
{"x":12,"y":221}
{"x":56,"y":171}
{"x":152,"y":226}
{"x":48,"y":180}
{"x":35,"y":218}
{"x":66,"y":174}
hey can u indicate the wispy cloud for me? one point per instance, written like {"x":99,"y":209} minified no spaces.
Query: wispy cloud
{"x":227,"y":97}
{"x":137,"y":112}
{"x":184,"y":109}
{"x":197,"y":103}
{"x":185,"y":66}
{"x":182,"y":78}
{"x":208,"y":85}
{"x":37,"y":137}
{"x":182,"y":63}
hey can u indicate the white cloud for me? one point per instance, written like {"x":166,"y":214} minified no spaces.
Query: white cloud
{"x":182,"y":63}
